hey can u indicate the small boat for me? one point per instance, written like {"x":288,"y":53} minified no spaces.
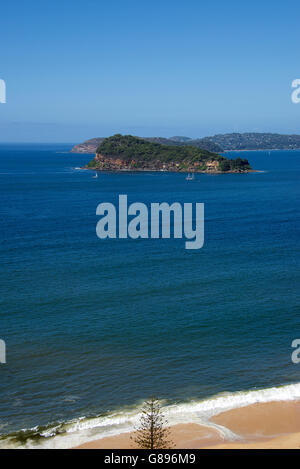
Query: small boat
{"x":96,"y":175}
{"x":190,"y":177}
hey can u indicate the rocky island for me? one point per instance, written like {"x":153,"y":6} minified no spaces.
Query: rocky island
{"x":128,"y":153}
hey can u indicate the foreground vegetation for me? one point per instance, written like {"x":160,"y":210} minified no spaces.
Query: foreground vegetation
{"x":153,"y":431}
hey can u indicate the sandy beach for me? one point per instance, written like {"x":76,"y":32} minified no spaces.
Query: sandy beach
{"x":260,"y":426}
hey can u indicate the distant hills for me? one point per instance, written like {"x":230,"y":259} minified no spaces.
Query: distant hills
{"x":216,"y":143}
{"x":256,"y":141}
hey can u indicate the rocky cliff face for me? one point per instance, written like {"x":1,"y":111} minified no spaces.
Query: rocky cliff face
{"x":106,"y":163}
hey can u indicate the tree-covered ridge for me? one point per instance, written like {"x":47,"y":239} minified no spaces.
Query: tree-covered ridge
{"x":125,"y":152}
{"x":129,"y":147}
{"x":90,"y":146}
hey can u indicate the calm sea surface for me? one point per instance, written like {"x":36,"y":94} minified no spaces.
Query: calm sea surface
{"x":94,"y":327}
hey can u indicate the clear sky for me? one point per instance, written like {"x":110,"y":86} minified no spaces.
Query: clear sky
{"x":76,"y":69}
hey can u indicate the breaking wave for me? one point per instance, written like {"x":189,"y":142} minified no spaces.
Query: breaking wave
{"x":85,"y":429}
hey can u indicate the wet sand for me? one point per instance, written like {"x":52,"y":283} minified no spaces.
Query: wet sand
{"x":266,"y":425}
{"x":184,"y":436}
{"x":268,"y":420}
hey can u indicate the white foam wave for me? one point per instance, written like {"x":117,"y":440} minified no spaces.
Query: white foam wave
{"x":88,"y":429}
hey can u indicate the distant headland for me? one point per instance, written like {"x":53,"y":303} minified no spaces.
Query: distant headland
{"x":128,"y":153}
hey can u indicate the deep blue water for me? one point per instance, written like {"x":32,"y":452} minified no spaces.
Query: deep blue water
{"x":92,"y":325}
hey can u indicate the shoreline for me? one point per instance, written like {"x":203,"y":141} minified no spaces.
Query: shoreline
{"x":170,"y":171}
{"x":233,"y":419}
{"x":258,"y":426}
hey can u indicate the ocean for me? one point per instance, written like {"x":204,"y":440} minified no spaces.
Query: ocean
{"x":94,"y":327}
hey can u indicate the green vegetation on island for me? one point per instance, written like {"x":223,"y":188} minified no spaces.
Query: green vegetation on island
{"x":125,"y":152}
{"x":129,"y":147}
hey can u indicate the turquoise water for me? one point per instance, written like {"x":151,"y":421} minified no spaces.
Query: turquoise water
{"x":93,"y":326}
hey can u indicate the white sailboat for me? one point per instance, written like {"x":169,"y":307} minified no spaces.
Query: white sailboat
{"x":190,"y":177}
{"x":96,"y":175}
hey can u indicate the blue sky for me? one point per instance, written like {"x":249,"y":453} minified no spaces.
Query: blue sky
{"x":81,"y":69}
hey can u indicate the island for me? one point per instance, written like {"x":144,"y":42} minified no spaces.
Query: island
{"x":129,"y":153}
